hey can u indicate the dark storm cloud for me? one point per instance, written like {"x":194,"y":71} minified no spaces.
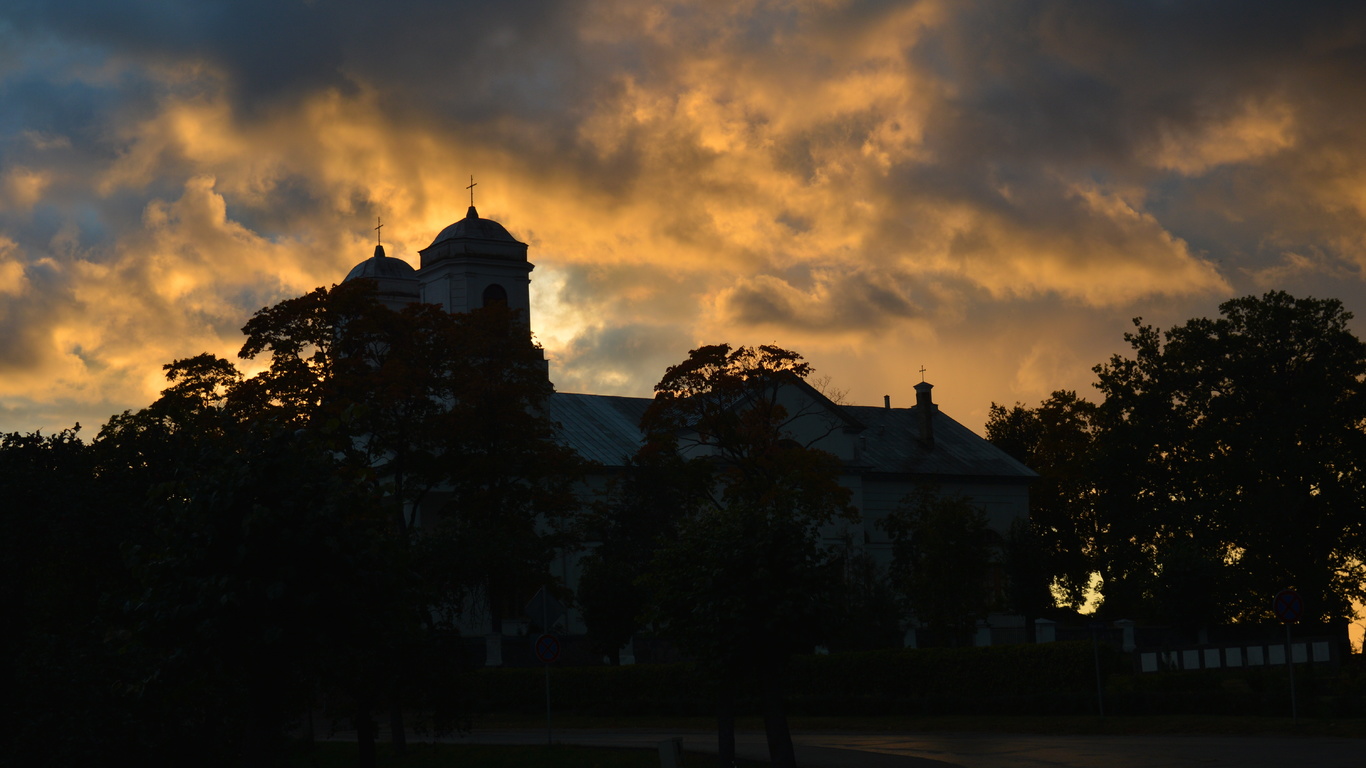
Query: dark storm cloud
{"x":828,"y":301}
{"x":469,"y":57}
{"x":25,"y":319}
{"x":1082,"y":83}
{"x":957,"y":175}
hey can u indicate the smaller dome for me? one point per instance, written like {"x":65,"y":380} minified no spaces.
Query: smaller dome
{"x":474,"y":228}
{"x":381,"y":266}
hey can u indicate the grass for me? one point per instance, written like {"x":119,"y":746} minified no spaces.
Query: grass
{"x":332,"y":754}
{"x":429,"y":755}
{"x":1056,"y":724}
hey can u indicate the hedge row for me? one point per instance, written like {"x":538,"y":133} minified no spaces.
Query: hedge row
{"x":1044,"y":679}
{"x":1054,"y":677}
{"x":1005,"y":670}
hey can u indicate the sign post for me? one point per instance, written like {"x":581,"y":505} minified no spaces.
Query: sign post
{"x":1289,"y":607}
{"x":547,"y":609}
{"x":1096,"y":628}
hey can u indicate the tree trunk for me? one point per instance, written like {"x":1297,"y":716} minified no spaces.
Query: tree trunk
{"x":725,"y":725}
{"x":260,"y":737}
{"x":398,"y":737}
{"x":365,"y":734}
{"x":780,"y":753}
{"x":258,"y":743}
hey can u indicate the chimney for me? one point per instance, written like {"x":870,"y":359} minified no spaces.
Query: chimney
{"x":926,"y":407}
{"x":886,"y":401}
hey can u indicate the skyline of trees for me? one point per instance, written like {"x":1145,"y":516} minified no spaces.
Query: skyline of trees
{"x":248,"y":535}
{"x":1223,"y":465}
{"x":243,"y":542}
{"x":743,"y":581}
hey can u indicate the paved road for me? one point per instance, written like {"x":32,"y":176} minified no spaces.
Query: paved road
{"x":975,"y":750}
{"x":1051,"y":751}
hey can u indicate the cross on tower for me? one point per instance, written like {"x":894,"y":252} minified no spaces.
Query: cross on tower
{"x":471,"y":187}
{"x":379,"y":224}
{"x":922,"y":373}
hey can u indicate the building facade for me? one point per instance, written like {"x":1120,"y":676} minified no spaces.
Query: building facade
{"x":887,"y":452}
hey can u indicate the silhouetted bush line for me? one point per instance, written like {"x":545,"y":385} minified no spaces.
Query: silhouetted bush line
{"x":819,"y":684}
{"x":1049,"y":679}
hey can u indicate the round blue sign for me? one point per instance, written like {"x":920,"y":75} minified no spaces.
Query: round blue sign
{"x":1288,"y":605}
{"x":547,"y":648}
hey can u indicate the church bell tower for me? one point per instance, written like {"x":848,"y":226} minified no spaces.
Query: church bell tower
{"x":474,"y":263}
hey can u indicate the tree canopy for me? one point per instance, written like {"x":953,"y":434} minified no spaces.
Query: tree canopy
{"x":1058,"y":440}
{"x":244,"y":542}
{"x":741,"y":582}
{"x":1224,"y":463}
{"x":943,"y":553}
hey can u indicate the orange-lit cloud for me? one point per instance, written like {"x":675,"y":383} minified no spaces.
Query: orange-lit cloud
{"x":990,"y":190}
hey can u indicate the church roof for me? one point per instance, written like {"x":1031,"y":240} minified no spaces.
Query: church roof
{"x":474,"y":228}
{"x":606,"y":429}
{"x":601,"y":428}
{"x":892,"y":444}
{"x":380,"y":266}
{"x":474,"y":236}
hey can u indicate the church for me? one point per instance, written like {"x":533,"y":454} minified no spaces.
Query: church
{"x":886,"y":452}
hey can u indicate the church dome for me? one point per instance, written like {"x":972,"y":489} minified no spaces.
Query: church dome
{"x":381,"y":267}
{"x":473,"y":237}
{"x":474,"y":228}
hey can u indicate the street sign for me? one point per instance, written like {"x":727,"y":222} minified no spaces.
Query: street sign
{"x":547,"y":648}
{"x":544,"y":609}
{"x":1288,"y":605}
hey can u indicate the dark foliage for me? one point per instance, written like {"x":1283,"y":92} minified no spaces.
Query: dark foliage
{"x":943,"y":557}
{"x":187,"y":585}
{"x":741,"y":582}
{"x":1224,"y":464}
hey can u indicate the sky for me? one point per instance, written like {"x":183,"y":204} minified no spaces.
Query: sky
{"x":987,"y":190}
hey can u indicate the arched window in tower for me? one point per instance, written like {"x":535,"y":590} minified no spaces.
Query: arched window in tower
{"x":495,"y":294}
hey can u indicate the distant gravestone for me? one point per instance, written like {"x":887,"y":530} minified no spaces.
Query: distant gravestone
{"x":1045,"y":631}
{"x":671,"y":753}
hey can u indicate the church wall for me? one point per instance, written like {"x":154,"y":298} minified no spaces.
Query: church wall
{"x":1003,"y":504}
{"x":455,"y":276}
{"x":458,"y":298}
{"x":436,"y":289}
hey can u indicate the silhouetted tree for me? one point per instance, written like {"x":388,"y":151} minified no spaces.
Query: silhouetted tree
{"x":65,"y":690}
{"x":1028,"y":576}
{"x":1224,"y":464}
{"x":1237,"y":444}
{"x":280,"y":552}
{"x":740,"y":583}
{"x":440,"y":412}
{"x":638,"y":516}
{"x":943,"y":555}
{"x":863,"y":611}
{"x":1058,"y":440}
{"x":271,"y":571}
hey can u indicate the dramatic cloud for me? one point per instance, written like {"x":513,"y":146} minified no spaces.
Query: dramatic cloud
{"x":987,"y":189}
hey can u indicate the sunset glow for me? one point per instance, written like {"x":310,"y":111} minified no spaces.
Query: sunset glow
{"x":991,"y":190}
